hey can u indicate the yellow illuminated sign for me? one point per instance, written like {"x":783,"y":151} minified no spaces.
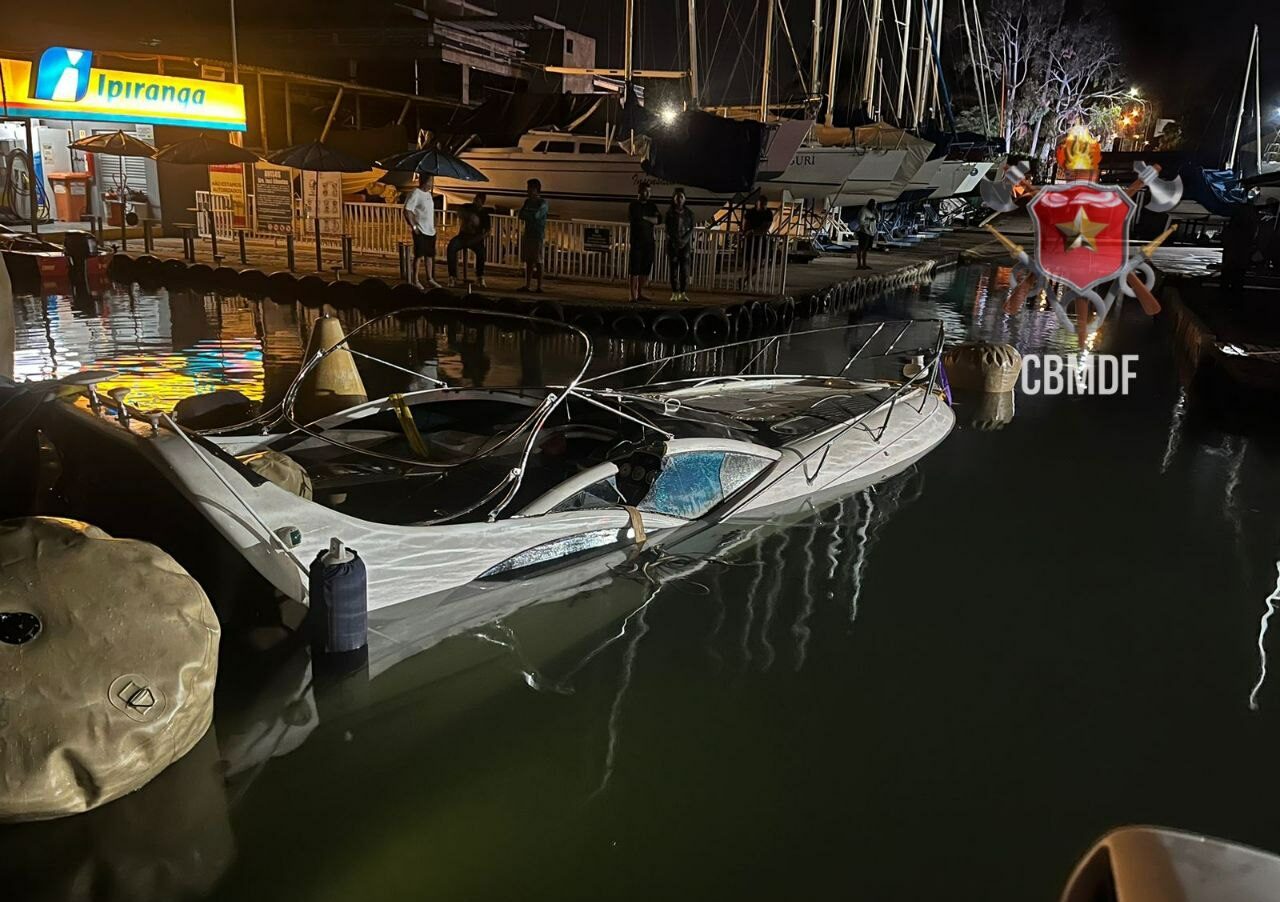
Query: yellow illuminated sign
{"x":108,"y":95}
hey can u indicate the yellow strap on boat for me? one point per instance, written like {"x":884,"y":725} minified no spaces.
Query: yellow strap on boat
{"x":408,"y":426}
{"x":637,"y":524}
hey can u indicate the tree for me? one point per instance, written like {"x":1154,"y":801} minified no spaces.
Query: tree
{"x":1050,"y":70}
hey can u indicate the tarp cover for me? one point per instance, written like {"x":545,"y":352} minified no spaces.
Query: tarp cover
{"x":706,"y":151}
{"x":117,"y":681}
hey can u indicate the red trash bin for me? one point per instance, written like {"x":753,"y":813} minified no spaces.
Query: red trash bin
{"x":70,"y":194}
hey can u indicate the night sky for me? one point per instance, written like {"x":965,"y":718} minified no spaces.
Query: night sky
{"x":1188,"y":56}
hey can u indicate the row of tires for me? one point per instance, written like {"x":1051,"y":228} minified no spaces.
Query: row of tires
{"x":854,"y":294}
{"x":706,"y":325}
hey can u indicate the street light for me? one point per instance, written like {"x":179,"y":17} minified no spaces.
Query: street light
{"x":1133,"y":92}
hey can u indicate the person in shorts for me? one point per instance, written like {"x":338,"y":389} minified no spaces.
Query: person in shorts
{"x":473,"y":229}
{"x":420,"y":214}
{"x":533,"y":214}
{"x":644,"y":216}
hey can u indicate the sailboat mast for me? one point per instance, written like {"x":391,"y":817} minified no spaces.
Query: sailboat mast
{"x":977,"y":71}
{"x":1257,"y":100}
{"x":768,"y":60}
{"x":935,"y":53}
{"x":919,"y":93}
{"x":902,"y":70}
{"x":836,"y":29}
{"x":873,"y":53}
{"x":694,"y":92}
{"x":628,"y":39}
{"x":815,"y":54}
{"x":1244,"y":92}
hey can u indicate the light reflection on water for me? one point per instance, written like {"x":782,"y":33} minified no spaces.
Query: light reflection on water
{"x":1060,"y":616}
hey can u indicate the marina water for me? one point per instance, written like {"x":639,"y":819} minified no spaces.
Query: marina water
{"x":944,"y":687}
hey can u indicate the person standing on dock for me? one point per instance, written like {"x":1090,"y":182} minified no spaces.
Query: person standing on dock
{"x":868,"y":224}
{"x":420,"y":213}
{"x":756,"y":223}
{"x":679,"y":245}
{"x":534,"y":216}
{"x":644,"y":216}
{"x":473,"y":229}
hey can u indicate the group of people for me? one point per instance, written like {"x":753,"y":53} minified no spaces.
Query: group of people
{"x":474,"y":225}
{"x":678,"y":223}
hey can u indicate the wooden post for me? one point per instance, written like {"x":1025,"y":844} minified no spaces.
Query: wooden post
{"x":262,"y":115}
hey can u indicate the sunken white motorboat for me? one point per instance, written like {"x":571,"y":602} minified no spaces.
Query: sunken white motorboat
{"x":455,"y":493}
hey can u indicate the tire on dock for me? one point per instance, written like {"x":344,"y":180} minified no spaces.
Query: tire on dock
{"x":200,"y":275}
{"x":373,"y":291}
{"x":227,"y":280}
{"x":254,"y":283}
{"x":711,"y":326}
{"x":311,"y":290}
{"x":122,"y":268}
{"x":588,"y":321}
{"x":282,"y":286}
{"x":743,"y":324}
{"x":548,"y":309}
{"x":628,"y":325}
{"x":341,"y":293}
{"x":407,"y":295}
{"x":669,"y":325}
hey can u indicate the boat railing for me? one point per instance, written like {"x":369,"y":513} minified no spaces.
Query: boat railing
{"x":763,"y":357}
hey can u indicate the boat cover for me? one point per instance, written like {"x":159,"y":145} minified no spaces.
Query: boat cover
{"x":706,"y":151}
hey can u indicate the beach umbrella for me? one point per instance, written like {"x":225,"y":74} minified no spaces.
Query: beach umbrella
{"x":116,"y":144}
{"x":316,"y":156}
{"x":203,"y":151}
{"x":433,"y":162}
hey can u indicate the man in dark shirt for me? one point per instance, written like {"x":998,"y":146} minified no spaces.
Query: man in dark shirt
{"x":643,"y":215}
{"x":756,"y":222}
{"x":473,"y":229}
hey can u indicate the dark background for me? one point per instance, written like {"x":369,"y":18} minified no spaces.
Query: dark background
{"x":1188,"y":57}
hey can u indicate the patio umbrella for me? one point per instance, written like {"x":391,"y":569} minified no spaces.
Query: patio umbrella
{"x":433,"y":162}
{"x":202,"y":151}
{"x":315,"y":156}
{"x":116,"y":144}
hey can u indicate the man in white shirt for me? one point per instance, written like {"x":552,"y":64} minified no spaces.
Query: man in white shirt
{"x":420,"y":213}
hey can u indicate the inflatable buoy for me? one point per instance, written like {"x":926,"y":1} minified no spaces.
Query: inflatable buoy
{"x":669,"y":326}
{"x":628,"y":325}
{"x":334,"y":383}
{"x":588,"y":321}
{"x":108,"y":658}
{"x":283,"y":286}
{"x":711,"y":326}
{"x":989,"y":411}
{"x":982,"y":366}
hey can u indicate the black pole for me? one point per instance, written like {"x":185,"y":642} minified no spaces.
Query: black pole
{"x":289,"y":249}
{"x":213,"y":230}
{"x":240,"y":234}
{"x":346,"y":254}
{"x":148,"y":236}
{"x":31,"y":186}
{"x":319,"y":258}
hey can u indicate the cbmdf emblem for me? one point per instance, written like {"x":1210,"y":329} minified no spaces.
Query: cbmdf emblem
{"x":62,"y":74}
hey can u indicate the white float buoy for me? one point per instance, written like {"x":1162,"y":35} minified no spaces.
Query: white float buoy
{"x":108,"y":658}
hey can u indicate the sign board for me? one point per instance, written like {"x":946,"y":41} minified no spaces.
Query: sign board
{"x":66,"y":85}
{"x":228,"y":179}
{"x":328,"y":197}
{"x":272,"y":197}
{"x":596,"y":239}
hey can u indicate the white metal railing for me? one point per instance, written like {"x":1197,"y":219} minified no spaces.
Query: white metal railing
{"x":223,"y":213}
{"x":590,"y":250}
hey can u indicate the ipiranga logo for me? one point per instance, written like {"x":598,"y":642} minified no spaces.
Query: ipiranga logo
{"x":63,"y":74}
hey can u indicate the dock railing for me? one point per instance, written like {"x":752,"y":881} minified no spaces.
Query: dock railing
{"x":589,"y":250}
